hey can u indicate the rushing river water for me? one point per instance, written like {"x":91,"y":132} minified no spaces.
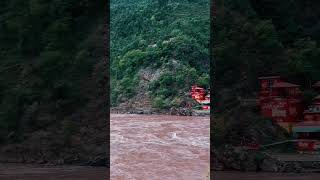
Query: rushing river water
{"x":159,"y":147}
{"x":145,"y":147}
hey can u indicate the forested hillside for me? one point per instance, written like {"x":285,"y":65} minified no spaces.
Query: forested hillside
{"x":255,"y":38}
{"x":158,"y":50}
{"x":52,"y":82}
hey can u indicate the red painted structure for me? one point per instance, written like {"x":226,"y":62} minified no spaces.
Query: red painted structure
{"x":308,"y":145}
{"x":309,"y":129}
{"x":201,"y":96}
{"x":282,"y":102}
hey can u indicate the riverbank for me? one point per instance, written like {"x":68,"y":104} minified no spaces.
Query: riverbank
{"x":171,"y":111}
{"x":12,"y":171}
{"x":232,"y":175}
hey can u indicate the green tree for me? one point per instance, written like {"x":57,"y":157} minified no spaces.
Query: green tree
{"x":163,"y":3}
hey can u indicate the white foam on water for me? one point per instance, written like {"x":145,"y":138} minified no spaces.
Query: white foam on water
{"x":153,"y":146}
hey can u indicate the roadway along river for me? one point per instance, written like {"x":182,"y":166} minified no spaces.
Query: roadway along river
{"x":158,"y":147}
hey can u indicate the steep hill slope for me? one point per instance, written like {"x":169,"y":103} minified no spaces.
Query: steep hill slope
{"x":258,"y":38}
{"x":158,"y":51}
{"x":52,"y":81}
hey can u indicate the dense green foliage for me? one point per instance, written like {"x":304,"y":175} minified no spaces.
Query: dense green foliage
{"x":255,"y":38}
{"x":48,"y":51}
{"x":169,"y":37}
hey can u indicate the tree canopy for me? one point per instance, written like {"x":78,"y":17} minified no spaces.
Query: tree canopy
{"x":172,"y":41}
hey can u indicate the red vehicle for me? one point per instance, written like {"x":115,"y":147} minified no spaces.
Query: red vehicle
{"x":201,"y":96}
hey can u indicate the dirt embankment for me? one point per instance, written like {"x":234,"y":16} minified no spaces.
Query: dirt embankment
{"x":142,"y":104}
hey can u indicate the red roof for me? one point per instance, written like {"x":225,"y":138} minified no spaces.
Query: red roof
{"x":284,"y":85}
{"x":269,"y":77}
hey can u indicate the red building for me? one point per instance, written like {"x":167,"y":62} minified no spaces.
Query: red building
{"x":308,"y":131}
{"x":282,"y":102}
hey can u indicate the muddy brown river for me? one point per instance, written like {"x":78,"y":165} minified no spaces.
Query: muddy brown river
{"x":145,"y":147}
{"x":158,"y":147}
